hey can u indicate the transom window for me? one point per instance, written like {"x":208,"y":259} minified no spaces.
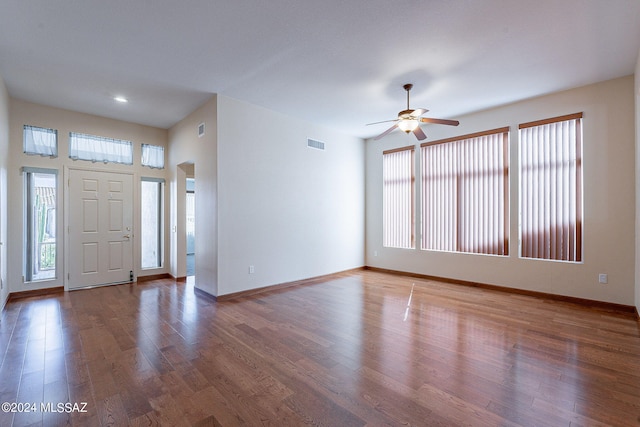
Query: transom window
{"x":153,"y":156}
{"x":100,"y":149}
{"x":40,"y":141}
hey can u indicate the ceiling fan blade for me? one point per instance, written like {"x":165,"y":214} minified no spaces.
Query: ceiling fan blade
{"x":386,"y":132}
{"x":439,"y":121}
{"x":419,"y":133}
{"x":384,"y":121}
{"x":418,"y":112}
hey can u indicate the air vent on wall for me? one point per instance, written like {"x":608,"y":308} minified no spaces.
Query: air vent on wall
{"x":200,"y":130}
{"x":312,"y":143}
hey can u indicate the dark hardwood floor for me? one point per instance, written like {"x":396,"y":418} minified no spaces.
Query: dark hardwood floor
{"x":361,"y":348}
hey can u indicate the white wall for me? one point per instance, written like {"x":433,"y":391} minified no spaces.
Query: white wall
{"x":187,"y":149}
{"x":290,"y":211}
{"x":4,"y":164}
{"x":637,"y":187}
{"x":609,"y":200}
{"x":21,"y":113}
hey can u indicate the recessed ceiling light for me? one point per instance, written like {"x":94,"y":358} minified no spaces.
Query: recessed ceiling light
{"x":120,"y":99}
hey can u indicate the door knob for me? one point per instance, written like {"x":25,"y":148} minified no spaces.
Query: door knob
{"x":127,"y":236}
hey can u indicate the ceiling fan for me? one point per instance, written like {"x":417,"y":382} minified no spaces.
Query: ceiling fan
{"x":409,"y":120}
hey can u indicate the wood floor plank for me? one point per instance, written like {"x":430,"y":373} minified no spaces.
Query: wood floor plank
{"x":111,"y":411}
{"x":346,"y":350}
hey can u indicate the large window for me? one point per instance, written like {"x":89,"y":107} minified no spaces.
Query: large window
{"x":100,"y":149}
{"x":40,"y":141}
{"x":465,"y":193}
{"x":551,"y":189}
{"x":398,"y":183}
{"x":151,"y":208}
{"x":40,"y":224}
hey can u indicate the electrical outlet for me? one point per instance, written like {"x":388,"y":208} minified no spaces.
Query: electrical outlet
{"x":602,"y":278}
{"x":252,"y":269}
{"x":375,"y":253}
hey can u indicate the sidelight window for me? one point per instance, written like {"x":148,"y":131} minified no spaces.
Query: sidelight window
{"x":151,"y":208}
{"x":40,"y":224}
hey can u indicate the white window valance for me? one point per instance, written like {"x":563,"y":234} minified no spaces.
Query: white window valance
{"x":153,"y":156}
{"x":40,"y":141}
{"x":100,"y":149}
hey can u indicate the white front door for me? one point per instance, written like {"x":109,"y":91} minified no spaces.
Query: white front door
{"x":100,"y":228}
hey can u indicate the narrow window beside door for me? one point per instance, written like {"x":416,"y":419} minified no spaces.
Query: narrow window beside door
{"x":40,"y":224}
{"x":151,"y":223}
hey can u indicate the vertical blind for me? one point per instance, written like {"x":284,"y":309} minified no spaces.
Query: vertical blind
{"x":465,"y":193}
{"x":551,"y":188}
{"x":40,"y":141}
{"x":398,"y":181}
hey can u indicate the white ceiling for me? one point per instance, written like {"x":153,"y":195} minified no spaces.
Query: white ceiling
{"x":338,"y":63}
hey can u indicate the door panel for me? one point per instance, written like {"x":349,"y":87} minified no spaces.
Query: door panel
{"x":116,"y":214}
{"x":115,"y":256}
{"x":90,"y":257}
{"x":99,"y":229}
{"x":90,"y":216}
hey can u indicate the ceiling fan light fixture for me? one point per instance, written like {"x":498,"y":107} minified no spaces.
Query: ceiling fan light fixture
{"x":408,"y":125}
